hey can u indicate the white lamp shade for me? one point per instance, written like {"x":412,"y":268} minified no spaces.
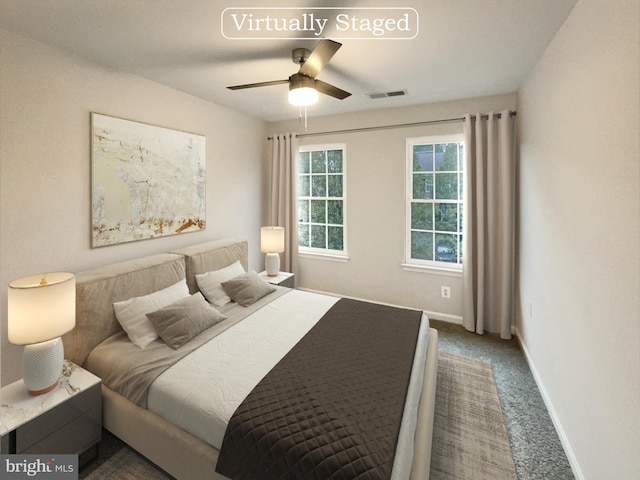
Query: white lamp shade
{"x":272,"y":239}
{"x":41,"y":310}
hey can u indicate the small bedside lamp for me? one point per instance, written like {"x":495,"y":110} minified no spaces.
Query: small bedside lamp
{"x":41,"y":308}
{"x":272,"y":243}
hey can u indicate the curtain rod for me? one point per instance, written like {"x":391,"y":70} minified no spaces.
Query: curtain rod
{"x":399,"y":125}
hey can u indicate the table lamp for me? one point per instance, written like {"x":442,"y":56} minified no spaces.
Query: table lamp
{"x":272,"y":243}
{"x":41,"y":308}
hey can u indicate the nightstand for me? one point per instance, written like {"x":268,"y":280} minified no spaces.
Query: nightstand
{"x":68,"y":419}
{"x":284,"y":279}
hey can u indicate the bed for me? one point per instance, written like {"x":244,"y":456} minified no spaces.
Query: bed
{"x":163,"y":428}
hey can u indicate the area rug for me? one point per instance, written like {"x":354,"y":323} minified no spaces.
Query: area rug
{"x":470,"y":440}
{"x":125,"y":465}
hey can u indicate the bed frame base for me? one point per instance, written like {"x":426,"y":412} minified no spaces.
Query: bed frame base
{"x":175,"y":451}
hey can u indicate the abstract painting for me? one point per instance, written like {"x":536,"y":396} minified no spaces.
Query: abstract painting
{"x":146,"y":181}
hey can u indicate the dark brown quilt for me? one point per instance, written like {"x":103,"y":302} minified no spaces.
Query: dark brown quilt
{"x":332,"y":407}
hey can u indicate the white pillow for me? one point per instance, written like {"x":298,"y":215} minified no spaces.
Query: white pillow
{"x":132,"y":313}
{"x":210,"y":283}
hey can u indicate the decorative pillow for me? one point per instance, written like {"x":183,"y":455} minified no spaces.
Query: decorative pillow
{"x":132,"y":313}
{"x":247,"y":288}
{"x":182,"y":320}
{"x":210,"y":283}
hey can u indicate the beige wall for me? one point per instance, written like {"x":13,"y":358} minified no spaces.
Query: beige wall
{"x":46,"y":97}
{"x":579,"y":286}
{"x":579,"y":235}
{"x":375,"y":213}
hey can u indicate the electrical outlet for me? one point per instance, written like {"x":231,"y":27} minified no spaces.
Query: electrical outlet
{"x":445,"y":292}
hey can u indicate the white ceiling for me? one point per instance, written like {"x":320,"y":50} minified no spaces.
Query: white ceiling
{"x":464,"y":48}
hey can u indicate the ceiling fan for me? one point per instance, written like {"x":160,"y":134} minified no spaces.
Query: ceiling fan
{"x":303,"y":86}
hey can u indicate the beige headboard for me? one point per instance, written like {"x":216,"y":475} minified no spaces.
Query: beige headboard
{"x":98,"y":289}
{"x":214,"y":255}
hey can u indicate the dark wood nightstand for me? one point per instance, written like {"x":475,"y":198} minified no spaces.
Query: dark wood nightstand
{"x":67,"y":419}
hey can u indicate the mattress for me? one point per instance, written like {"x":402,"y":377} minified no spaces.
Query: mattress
{"x":201,"y":391}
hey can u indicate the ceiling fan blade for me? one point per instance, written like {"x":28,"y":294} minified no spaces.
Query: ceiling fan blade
{"x":259,"y":84}
{"x":327,"y":89}
{"x":319,"y":57}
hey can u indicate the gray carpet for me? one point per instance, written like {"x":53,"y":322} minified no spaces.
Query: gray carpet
{"x":536,"y":448}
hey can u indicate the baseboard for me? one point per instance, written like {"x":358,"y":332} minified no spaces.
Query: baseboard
{"x":575,"y":467}
{"x":445,"y":317}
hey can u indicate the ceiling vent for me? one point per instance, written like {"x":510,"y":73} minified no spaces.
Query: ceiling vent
{"x":395,"y":93}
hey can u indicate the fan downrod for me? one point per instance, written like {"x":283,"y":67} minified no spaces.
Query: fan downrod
{"x":300,"y":55}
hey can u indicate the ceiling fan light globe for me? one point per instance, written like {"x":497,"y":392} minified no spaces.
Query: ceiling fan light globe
{"x":303,"y":96}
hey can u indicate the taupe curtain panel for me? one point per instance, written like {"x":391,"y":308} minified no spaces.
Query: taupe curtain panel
{"x":284,"y":196}
{"x":488,"y":249}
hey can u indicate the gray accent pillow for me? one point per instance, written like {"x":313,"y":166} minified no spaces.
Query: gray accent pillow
{"x":209,"y":283}
{"x":180,"y":321}
{"x":132,"y":313}
{"x":247,"y":288}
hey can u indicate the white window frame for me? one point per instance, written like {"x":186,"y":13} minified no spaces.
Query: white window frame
{"x":414,"y":264}
{"x":326,"y":253}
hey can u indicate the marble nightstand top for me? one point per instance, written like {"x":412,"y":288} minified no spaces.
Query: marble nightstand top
{"x":17,"y":407}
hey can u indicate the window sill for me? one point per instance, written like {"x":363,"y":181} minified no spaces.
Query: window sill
{"x":432,"y":269}
{"x":324,"y":256}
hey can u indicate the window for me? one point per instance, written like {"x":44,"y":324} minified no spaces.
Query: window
{"x":321,"y":199}
{"x":434,"y":201}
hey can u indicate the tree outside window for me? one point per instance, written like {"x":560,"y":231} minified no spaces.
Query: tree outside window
{"x":321,"y":198}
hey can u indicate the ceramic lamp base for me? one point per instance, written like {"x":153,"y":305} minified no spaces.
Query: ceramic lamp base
{"x":272,"y":264}
{"x":42,"y":365}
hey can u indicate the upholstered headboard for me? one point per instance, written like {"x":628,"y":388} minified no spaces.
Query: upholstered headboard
{"x":214,"y":255}
{"x":98,"y":289}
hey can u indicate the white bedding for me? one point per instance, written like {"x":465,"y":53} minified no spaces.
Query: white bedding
{"x":201,"y":392}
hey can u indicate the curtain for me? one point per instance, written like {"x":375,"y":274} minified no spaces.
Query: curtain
{"x":488,"y":248}
{"x":283,"y":211}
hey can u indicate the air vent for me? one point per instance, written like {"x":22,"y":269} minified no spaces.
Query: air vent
{"x":395,"y":93}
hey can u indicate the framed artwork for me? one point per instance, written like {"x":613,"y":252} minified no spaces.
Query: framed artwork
{"x":146,"y":181}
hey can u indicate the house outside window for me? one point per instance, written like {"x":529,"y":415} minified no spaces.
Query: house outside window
{"x":322,"y":199}
{"x":434,"y":208}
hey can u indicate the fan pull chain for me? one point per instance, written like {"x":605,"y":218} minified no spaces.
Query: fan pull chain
{"x":305,"y":117}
